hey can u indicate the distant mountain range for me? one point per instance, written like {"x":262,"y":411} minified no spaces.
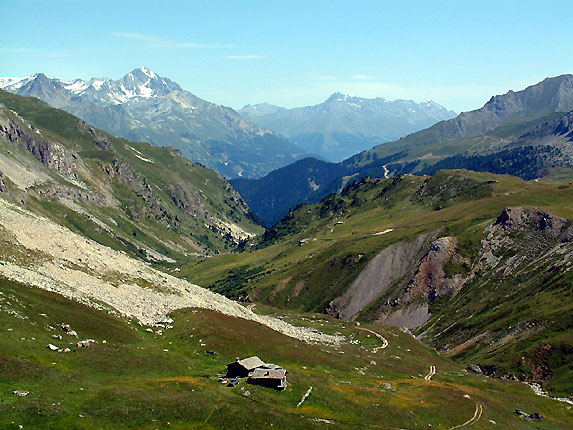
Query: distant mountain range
{"x":143,"y":106}
{"x":518,"y":133}
{"x":344,"y":125}
{"x":501,"y":121}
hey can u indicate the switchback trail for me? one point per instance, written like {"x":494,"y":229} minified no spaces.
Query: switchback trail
{"x":431,"y":373}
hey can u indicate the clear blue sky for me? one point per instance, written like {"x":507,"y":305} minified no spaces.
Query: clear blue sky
{"x":296,"y":53}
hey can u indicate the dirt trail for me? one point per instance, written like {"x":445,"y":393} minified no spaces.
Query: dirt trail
{"x":477,"y":416}
{"x":431,"y":373}
{"x":379,"y":336}
{"x":64,"y":262}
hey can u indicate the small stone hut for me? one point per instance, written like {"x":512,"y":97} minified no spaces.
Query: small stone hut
{"x":242,"y":368}
{"x":258,"y":372}
{"x":271,"y":376}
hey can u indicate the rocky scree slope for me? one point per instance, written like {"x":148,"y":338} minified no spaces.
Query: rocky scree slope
{"x":147,"y":201}
{"x":37,"y":252}
{"x":143,"y":106}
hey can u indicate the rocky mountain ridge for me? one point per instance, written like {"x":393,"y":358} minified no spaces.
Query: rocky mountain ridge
{"x":142,"y":106}
{"x":512,"y":115}
{"x":344,"y":125}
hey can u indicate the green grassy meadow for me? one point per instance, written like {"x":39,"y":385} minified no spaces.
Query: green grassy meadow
{"x":133,"y":379}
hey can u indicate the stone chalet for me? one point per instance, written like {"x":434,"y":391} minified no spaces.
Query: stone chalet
{"x":258,"y":372}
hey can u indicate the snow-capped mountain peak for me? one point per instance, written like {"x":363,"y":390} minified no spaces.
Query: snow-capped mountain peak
{"x":141,"y":83}
{"x":149,"y":72}
{"x":145,"y":106}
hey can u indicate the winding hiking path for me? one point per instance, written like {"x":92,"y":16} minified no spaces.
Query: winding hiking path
{"x":477,"y":416}
{"x":386,"y":171}
{"x":431,"y":373}
{"x":379,"y":336}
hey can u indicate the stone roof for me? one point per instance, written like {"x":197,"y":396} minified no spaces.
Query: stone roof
{"x":251,"y":362}
{"x":261,"y":373}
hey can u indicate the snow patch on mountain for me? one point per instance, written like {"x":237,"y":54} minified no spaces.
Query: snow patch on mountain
{"x":149,"y":73}
{"x":77,"y":86}
{"x":13,"y":84}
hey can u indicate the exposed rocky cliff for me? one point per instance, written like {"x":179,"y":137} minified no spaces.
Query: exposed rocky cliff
{"x":514,"y":298}
{"x":3,"y":187}
{"x":52,"y":154}
{"x":388,"y":268}
{"x":532,"y":220}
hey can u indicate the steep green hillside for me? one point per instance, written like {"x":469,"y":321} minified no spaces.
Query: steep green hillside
{"x":305,"y":181}
{"x":137,"y":377}
{"x":147,"y":201}
{"x":399,"y":251}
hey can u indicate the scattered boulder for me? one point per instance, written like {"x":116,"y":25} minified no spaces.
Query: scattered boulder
{"x":476,"y":369}
{"x":68,"y":330}
{"x":509,"y":377}
{"x":3,"y":187}
{"x":526,"y":416}
{"x":20,"y":393}
{"x":85,"y":343}
{"x":52,"y":347}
